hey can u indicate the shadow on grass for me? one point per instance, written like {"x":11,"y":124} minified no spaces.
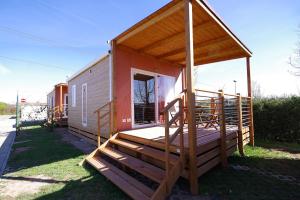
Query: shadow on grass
{"x":94,"y":186}
{"x":41,"y":147}
{"x":292,"y":148}
{"x":279,"y":162}
{"x":229,"y":183}
{"x":30,"y":179}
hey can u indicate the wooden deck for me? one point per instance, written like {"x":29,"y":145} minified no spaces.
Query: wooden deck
{"x":157,"y":135}
{"x":208,"y":143}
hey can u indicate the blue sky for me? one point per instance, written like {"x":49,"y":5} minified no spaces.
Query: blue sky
{"x":66,"y":35}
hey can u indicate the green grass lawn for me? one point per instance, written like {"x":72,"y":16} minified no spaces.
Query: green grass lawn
{"x":46,"y":154}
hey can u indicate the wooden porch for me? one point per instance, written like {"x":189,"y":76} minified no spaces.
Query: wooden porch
{"x":205,"y":128}
{"x":208,"y":143}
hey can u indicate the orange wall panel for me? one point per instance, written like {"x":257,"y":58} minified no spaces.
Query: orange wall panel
{"x":126,"y":59}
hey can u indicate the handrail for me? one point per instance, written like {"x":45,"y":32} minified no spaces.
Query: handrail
{"x":168,"y":139}
{"x":103,"y":106}
{"x":170,"y":105}
{"x":232,"y":95}
{"x":207,"y":91}
{"x":100,"y":117}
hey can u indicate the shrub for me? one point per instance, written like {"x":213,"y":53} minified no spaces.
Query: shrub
{"x":7,"y":109}
{"x":277,"y":118}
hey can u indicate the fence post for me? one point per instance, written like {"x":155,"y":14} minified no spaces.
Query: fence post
{"x":17,"y":115}
{"x":251,"y":125}
{"x":240,"y":124}
{"x":222,"y":129}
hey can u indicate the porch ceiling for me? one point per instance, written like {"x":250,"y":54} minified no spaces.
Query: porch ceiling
{"x":162,"y":35}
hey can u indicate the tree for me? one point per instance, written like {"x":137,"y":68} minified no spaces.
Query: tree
{"x":256,"y":90}
{"x":294,"y":60}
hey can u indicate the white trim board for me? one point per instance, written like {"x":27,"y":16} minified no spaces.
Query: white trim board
{"x":86,"y":91}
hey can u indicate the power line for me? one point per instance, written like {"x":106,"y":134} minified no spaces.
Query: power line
{"x":38,"y":38}
{"x":33,"y":62}
{"x":69,"y":14}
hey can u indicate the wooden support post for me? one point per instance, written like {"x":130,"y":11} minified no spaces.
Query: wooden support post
{"x":193,"y":175}
{"x":167,"y":145}
{"x":113,"y":119}
{"x":251,"y":125}
{"x":240,"y":124}
{"x":60,"y":99}
{"x":99,"y":129}
{"x":212,"y":105}
{"x":222,"y":123}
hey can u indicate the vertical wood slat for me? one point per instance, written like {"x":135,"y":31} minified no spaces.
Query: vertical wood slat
{"x":251,"y":125}
{"x":110,"y":119}
{"x":190,"y":96}
{"x":181,"y":124}
{"x":99,"y":128}
{"x":240,"y":124}
{"x":222,"y":129}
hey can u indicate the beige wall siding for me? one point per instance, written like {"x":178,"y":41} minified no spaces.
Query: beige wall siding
{"x":97,"y":80}
{"x":50,"y":98}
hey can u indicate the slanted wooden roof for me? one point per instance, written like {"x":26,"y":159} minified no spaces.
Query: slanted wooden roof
{"x":162,"y":35}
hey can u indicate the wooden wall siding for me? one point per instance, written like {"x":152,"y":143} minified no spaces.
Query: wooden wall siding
{"x":49,"y":96}
{"x":97,"y":79}
{"x":165,"y":37}
{"x":125,"y":60}
{"x":57,"y":94}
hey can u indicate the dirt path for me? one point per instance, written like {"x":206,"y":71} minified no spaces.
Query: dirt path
{"x":7,"y":136}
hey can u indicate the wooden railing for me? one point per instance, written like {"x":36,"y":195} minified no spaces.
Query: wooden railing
{"x":224,"y":111}
{"x":104,"y":112}
{"x":169,"y":139}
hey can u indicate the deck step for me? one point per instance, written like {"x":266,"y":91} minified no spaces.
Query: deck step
{"x":128,"y":184}
{"x":152,"y":172}
{"x":145,"y":150}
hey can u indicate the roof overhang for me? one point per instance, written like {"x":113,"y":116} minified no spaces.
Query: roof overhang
{"x":88,"y":66}
{"x":162,"y":35}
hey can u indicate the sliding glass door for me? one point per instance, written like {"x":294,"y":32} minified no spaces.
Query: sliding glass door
{"x":144,"y":94}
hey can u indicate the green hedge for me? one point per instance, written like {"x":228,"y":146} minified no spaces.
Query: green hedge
{"x":277,"y":119}
{"x":7,"y":109}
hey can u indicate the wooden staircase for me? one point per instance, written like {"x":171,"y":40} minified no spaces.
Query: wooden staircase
{"x":136,"y":169}
{"x":141,"y":171}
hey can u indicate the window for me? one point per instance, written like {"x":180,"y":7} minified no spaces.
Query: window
{"x":73,"y":95}
{"x":84,"y":104}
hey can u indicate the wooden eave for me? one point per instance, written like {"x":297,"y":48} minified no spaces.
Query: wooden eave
{"x":162,"y":35}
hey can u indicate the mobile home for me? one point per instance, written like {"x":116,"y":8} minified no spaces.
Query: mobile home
{"x":140,"y":105}
{"x":57,"y":104}
{"x":89,"y":89}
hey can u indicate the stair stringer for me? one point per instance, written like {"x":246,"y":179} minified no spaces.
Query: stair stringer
{"x":96,"y":151}
{"x":166,"y":186}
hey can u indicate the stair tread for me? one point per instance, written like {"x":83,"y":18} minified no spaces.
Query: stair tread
{"x":154,"y":173}
{"x":148,"y":151}
{"x":128,"y":184}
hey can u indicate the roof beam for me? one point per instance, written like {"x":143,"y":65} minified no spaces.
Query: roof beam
{"x":219,"y":59}
{"x":209,"y":11}
{"x":204,"y":44}
{"x":204,"y":25}
{"x":149,"y":22}
{"x":207,"y":55}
